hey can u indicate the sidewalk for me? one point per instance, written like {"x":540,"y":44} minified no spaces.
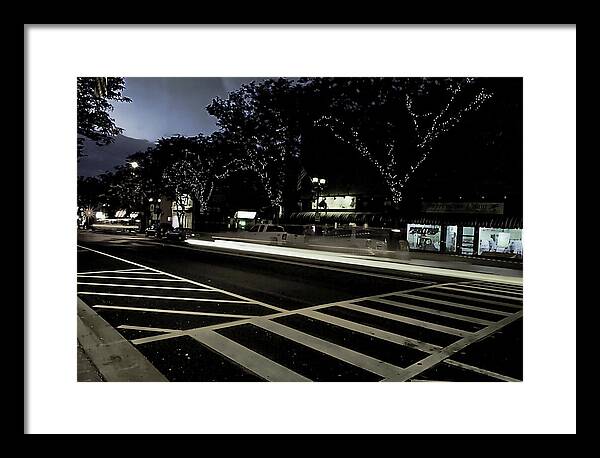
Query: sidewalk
{"x":86,"y":371}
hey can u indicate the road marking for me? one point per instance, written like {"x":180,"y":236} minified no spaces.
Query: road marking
{"x":108,"y":271}
{"x":139,"y":272}
{"x":363,"y":361}
{"x":168,"y":298}
{"x":248,"y":359}
{"x":452,"y":288}
{"x":186,"y":280}
{"x":143,"y":286}
{"x":482,"y":300}
{"x":371,"y":331}
{"x":506,"y":378}
{"x":496,"y":285}
{"x":176,"y":312}
{"x":476,"y":289}
{"x":451,"y":304}
{"x":452,"y":349}
{"x":350,"y":325}
{"x":404,"y":319}
{"x":145,"y":328}
{"x":417,"y":308}
{"x":129,"y":278}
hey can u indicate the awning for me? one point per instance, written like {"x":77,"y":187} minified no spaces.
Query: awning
{"x":381,"y":220}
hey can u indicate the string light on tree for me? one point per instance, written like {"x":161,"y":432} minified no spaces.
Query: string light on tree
{"x":428,"y":126}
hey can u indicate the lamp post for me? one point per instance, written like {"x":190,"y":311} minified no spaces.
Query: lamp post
{"x":318,"y":186}
{"x":142,"y":214}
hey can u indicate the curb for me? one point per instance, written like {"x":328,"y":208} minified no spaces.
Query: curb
{"x":116,"y":358}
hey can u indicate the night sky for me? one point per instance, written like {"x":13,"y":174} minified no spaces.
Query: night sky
{"x":163,"y":107}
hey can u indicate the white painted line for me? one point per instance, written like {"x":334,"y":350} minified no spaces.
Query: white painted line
{"x":129,"y":278}
{"x":459,"y":297}
{"x":506,"y":378}
{"x":108,"y":271}
{"x":482,"y":293}
{"x":371,"y":331}
{"x":169,"y":298}
{"x":248,"y":359}
{"x":395,"y":338}
{"x":145,"y":328}
{"x":187,"y":280}
{"x":477,"y":288}
{"x":144,"y":286}
{"x":355,"y":358}
{"x":495,"y":285}
{"x":404,"y":305}
{"x":127,"y":272}
{"x":451,"y":304}
{"x":175,"y":312}
{"x":453,"y":348}
{"x":408,"y":320}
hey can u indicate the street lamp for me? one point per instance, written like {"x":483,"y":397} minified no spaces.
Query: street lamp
{"x":318,"y":186}
{"x":134,"y":164}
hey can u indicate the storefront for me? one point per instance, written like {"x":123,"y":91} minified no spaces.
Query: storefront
{"x":500,"y":241}
{"x":424,"y":237}
{"x":242,"y":220}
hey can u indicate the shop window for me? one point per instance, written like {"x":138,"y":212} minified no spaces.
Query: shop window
{"x":424,"y":237}
{"x":505,"y":241}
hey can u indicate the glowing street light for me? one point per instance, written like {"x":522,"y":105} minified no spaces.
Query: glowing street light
{"x":318,"y":186}
{"x":134,"y":164}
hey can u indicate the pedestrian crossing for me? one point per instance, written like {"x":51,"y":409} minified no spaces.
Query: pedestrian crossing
{"x":420,"y":342}
{"x":396,"y":336}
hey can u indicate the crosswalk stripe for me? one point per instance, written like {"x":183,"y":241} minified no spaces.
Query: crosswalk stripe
{"x":175,"y":312}
{"x":506,"y":378}
{"x":168,"y":298}
{"x":404,"y":319}
{"x":144,"y":286}
{"x":475,"y":288}
{"x":248,"y":359}
{"x":402,"y":305}
{"x":371,"y":331}
{"x":145,"y":328}
{"x":462,"y":290}
{"x":323,"y":346}
{"x":482,"y":300}
{"x":447,"y":352}
{"x":495,"y":285}
{"x":130,"y":278}
{"x":109,"y":271}
{"x":451,"y":304}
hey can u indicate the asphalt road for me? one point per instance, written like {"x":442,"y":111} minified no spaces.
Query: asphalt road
{"x":199,"y":314}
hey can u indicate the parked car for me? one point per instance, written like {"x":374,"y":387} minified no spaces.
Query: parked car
{"x":158,"y":230}
{"x":178,"y":233}
{"x":267,"y":233}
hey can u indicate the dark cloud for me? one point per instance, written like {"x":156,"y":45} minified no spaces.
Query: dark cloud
{"x":168,"y":106}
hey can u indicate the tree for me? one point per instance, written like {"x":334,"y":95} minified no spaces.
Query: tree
{"x":394,"y":123}
{"x":94,"y":107}
{"x":191,"y":169}
{"x":259,"y":119}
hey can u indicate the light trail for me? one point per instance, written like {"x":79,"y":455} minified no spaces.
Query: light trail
{"x":354,"y":260}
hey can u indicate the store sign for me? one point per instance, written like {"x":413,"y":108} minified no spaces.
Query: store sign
{"x":335,"y":203}
{"x":424,"y":236}
{"x":240,"y":214}
{"x":496,"y":208}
